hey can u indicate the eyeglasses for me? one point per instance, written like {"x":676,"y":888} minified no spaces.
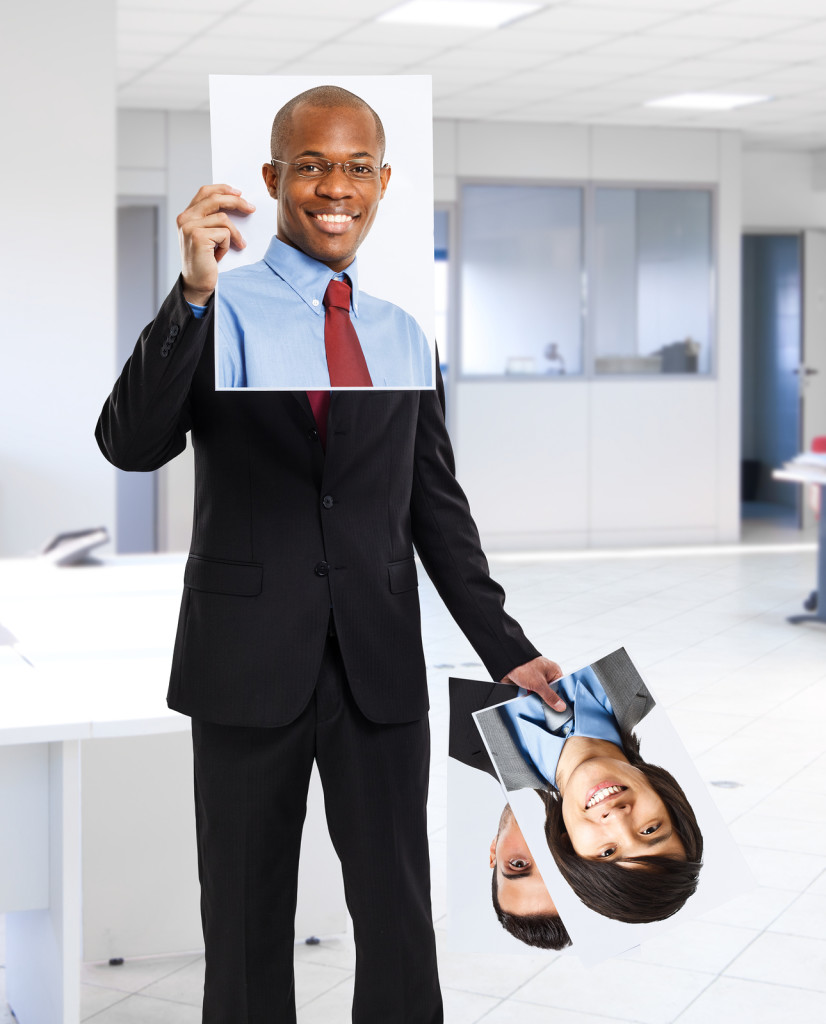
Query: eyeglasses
{"x":318,"y":167}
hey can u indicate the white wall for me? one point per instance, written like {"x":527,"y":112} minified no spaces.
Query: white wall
{"x":783,"y":191}
{"x":607,"y":462}
{"x":578,"y":463}
{"x":57,"y":268}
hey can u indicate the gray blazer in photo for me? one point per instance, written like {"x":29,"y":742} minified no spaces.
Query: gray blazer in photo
{"x":629,"y":696}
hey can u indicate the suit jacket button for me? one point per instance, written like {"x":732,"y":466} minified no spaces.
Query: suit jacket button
{"x":164,"y":350}
{"x":327,"y":501}
{"x":173,"y":331}
{"x":312,"y":434}
{"x":322,"y":569}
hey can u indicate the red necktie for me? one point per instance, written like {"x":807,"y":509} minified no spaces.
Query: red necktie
{"x":345,"y":360}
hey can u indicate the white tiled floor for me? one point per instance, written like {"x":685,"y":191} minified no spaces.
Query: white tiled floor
{"x":748,"y":693}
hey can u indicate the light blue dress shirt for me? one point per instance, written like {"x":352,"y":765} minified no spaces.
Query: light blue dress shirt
{"x":271,"y":327}
{"x":540,"y":744}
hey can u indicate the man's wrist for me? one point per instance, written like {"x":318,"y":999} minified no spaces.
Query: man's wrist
{"x":195,"y":297}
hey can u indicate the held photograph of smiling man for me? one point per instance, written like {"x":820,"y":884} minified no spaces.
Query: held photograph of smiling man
{"x":307,"y":308}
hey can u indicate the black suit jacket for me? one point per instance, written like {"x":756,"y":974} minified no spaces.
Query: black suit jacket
{"x":464,"y":739}
{"x":283,"y":532}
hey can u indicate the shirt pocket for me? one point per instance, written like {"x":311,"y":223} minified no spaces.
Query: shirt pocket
{"x":219,"y":576}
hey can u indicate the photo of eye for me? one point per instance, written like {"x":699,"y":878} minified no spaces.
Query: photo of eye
{"x":603,"y":804}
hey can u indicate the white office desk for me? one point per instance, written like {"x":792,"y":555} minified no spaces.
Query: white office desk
{"x":100,"y":638}
{"x":801,"y":474}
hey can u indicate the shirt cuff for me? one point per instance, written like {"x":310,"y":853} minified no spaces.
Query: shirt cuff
{"x":199,"y":312}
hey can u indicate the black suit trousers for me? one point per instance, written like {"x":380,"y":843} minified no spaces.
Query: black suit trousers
{"x":251,"y":790}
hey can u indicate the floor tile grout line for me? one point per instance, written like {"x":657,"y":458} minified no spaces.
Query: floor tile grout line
{"x":117,"y":1002}
{"x":332,"y":988}
{"x":761,"y":932}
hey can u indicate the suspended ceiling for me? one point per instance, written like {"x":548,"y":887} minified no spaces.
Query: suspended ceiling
{"x":577,"y":61}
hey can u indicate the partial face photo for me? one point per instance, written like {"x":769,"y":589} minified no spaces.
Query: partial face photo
{"x":612,"y":812}
{"x":334,"y":287}
{"x":326,"y":211}
{"x":521,"y":899}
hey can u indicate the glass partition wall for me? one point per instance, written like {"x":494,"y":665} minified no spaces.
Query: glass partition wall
{"x":561,"y":281}
{"x":521,"y":280}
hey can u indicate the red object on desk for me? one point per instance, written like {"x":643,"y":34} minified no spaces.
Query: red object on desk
{"x":819,"y":446}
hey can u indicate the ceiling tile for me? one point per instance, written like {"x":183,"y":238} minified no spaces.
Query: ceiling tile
{"x":133,"y":62}
{"x":499,"y":63}
{"x":183,"y":95}
{"x":471,"y":106}
{"x":361,"y":9}
{"x":606,"y":19}
{"x":326,"y":68}
{"x":446,"y":83}
{"x":503,"y":92}
{"x":613,"y":65}
{"x":718,"y":27}
{"x":188,"y":81}
{"x":649,"y":5}
{"x":221,"y":65}
{"x":554,"y":79}
{"x":799,"y":73}
{"x":187,"y":22}
{"x":715,"y":69}
{"x":771,"y":86}
{"x":198,"y":6}
{"x":519,"y":39}
{"x":150,"y":42}
{"x":774,"y":52}
{"x":259,"y":26}
{"x":427,"y":38}
{"x":791,"y":8}
{"x":358,"y":57}
{"x":671,"y":46}
{"x":813,"y":32}
{"x":212,"y":45}
{"x":813,"y":103}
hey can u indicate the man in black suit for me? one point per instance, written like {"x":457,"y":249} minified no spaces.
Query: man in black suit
{"x":299,"y":634}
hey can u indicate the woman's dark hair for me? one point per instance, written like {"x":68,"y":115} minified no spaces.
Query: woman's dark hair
{"x":546,"y":931}
{"x":656,"y":887}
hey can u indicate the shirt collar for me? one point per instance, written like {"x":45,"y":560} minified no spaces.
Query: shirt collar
{"x":307,"y":277}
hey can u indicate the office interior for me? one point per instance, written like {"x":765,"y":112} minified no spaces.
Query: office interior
{"x":617,"y":454}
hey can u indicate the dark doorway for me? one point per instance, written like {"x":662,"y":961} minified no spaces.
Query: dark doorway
{"x":771,"y":350}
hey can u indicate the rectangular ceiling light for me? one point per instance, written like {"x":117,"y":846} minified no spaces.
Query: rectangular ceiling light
{"x":468,"y":13}
{"x":707,"y":101}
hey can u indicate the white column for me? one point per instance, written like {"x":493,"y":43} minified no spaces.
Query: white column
{"x":43,"y":946}
{"x":57,"y":267}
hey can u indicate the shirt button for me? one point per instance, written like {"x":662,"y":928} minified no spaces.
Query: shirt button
{"x":322,"y":569}
{"x":312,"y":434}
{"x":327,"y":501}
{"x":315,"y":302}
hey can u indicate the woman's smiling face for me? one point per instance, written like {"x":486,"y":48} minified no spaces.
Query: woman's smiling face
{"x":612,"y":812}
